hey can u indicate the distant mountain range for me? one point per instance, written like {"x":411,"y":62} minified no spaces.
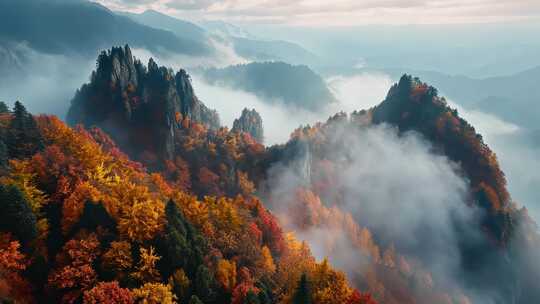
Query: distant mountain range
{"x":514,"y":98}
{"x":295,"y":85}
{"x":244,"y":44}
{"x":34,"y":22}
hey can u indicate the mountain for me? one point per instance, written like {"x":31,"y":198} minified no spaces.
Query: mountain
{"x":513,"y":97}
{"x":244,"y":44}
{"x":275,"y":50}
{"x":405,"y":198}
{"x":35,"y":21}
{"x":224,"y":29}
{"x":295,"y":85}
{"x":491,"y":230}
{"x":123,"y":96}
{"x":82,"y":223}
{"x":187,"y":31}
{"x":250,"y":122}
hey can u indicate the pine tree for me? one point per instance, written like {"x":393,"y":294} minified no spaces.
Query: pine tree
{"x":302,"y":294}
{"x":195,"y":300}
{"x":23,"y":137}
{"x":4,"y":157}
{"x":16,"y":216}
{"x":183,"y":246}
{"x":251,"y":298}
{"x":3,"y":108}
{"x":204,"y":282}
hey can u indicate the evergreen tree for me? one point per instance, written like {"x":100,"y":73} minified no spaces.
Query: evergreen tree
{"x":94,"y":215}
{"x":16,"y":216}
{"x":23,"y":137}
{"x":251,"y":298}
{"x":204,"y":282}
{"x":182,"y":247}
{"x":264,"y":298}
{"x":3,"y":108}
{"x":4,"y":157}
{"x":303,"y":293}
{"x":195,"y":300}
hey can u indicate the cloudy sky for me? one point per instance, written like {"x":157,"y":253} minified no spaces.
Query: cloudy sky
{"x":340,"y":12}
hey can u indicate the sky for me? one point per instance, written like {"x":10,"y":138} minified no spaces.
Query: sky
{"x":340,"y":12}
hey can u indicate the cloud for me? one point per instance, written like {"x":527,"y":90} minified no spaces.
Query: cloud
{"x":393,"y":185}
{"x":517,"y":152}
{"x":279,"y":120}
{"x":361,"y":91}
{"x":342,"y":12}
{"x":224,"y":56}
{"x":44,"y":83}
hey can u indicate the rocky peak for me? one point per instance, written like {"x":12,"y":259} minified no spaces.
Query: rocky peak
{"x":140,"y":107}
{"x":250,"y":122}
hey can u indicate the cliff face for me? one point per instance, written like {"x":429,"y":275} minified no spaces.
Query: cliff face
{"x":250,"y":122}
{"x":141,"y":107}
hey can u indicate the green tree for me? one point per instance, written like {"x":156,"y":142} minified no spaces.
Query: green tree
{"x":182,"y":247}
{"x":195,"y":300}
{"x":16,"y":216}
{"x":3,"y":108}
{"x":251,"y":298}
{"x":204,"y":283}
{"x":302,"y":294}
{"x":23,"y":138}
{"x":4,"y":157}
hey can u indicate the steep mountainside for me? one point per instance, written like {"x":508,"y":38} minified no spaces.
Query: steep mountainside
{"x":405,"y":198}
{"x":189,"y":33}
{"x":295,"y":85}
{"x":84,"y":224}
{"x":494,"y":242}
{"x":512,"y":97}
{"x":250,"y":122}
{"x":141,"y":107}
{"x":34,"y":21}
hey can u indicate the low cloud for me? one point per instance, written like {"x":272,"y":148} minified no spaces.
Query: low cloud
{"x":341,"y":12}
{"x":44,"y":83}
{"x":224,"y":56}
{"x":393,"y":185}
{"x":517,"y":150}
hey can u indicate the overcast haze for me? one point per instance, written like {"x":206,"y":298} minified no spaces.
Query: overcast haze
{"x":341,"y":12}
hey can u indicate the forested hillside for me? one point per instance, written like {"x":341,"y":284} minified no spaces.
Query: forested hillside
{"x":145,"y":198}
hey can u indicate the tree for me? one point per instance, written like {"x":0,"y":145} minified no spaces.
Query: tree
{"x":302,"y":294}
{"x":118,"y":258}
{"x":226,"y":274}
{"x":4,"y":157}
{"x":154,"y":293}
{"x":3,"y":108}
{"x":358,"y":298}
{"x":23,"y":137}
{"x":204,"y":282}
{"x":142,"y":221}
{"x":251,"y":298}
{"x":183,"y":246}
{"x":180,"y":283}
{"x":108,"y":293}
{"x":12,"y":264}
{"x":195,"y":300}
{"x":93,"y":216}
{"x":146,"y":269}
{"x":16,"y":216}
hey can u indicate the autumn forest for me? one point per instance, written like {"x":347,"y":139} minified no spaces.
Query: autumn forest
{"x":143,"y":196}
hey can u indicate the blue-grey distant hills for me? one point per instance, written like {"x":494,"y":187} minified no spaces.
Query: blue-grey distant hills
{"x":243,"y":43}
{"x":515,"y":98}
{"x":83,"y":27}
{"x":295,"y":85}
